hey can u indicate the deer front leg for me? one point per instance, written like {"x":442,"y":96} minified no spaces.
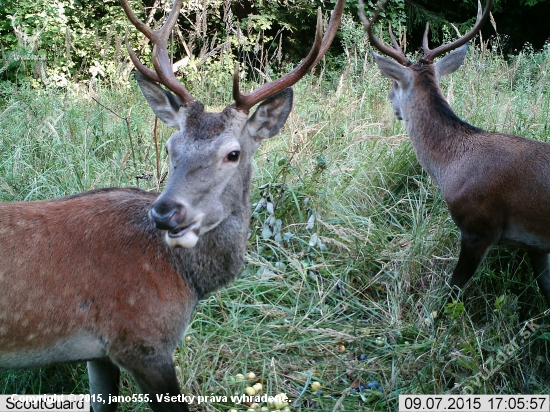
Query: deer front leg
{"x":541,"y":267}
{"x":473,"y":249}
{"x":158,"y":378}
{"x":104,"y":379}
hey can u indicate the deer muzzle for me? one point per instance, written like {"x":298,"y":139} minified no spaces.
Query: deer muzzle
{"x":182,"y":229}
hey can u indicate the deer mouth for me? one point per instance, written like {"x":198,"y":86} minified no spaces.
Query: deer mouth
{"x":185,"y":236}
{"x":194,"y":227}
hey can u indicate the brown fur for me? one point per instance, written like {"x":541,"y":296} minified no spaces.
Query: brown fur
{"x":111,"y":283}
{"x":117,"y":287}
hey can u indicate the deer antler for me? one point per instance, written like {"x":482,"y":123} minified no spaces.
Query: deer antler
{"x":163,"y":69}
{"x":430,"y":55}
{"x":394,"y":52}
{"x":244,"y":102}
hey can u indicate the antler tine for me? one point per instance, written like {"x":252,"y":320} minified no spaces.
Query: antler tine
{"x":245,"y":102}
{"x":163,"y":68}
{"x":425,"y":46}
{"x":430,"y":55}
{"x":141,"y":26}
{"x":139,"y":65}
{"x":396,"y":52}
{"x":479,"y":11}
{"x":331,"y":31}
{"x":396,"y":45}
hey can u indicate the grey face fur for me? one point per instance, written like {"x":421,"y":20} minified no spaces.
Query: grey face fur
{"x":210,"y":160}
{"x":403,"y":87}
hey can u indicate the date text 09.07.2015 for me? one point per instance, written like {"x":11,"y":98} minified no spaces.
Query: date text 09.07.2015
{"x":474,"y":403}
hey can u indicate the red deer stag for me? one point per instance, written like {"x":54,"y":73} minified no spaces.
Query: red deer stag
{"x":112,"y":276}
{"x":497,"y":186}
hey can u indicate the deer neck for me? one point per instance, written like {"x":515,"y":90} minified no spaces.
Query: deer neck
{"x":218,"y":257}
{"x":437,"y":135}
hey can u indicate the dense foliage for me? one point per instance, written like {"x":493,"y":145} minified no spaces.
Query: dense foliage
{"x":49,"y":43}
{"x":55,"y":41}
{"x":517,"y":21}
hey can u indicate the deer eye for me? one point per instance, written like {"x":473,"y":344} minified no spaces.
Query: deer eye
{"x":233,"y":156}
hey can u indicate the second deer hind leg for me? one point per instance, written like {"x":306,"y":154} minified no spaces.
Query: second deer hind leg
{"x":541,"y":267}
{"x":473,"y":249}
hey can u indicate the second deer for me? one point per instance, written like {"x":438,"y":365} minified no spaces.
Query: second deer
{"x":496,"y":185}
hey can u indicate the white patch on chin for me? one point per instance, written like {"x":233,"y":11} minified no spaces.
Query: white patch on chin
{"x":185,"y":237}
{"x":187,"y":241}
{"x":190,"y":237}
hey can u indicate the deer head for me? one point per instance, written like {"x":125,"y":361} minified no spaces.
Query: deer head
{"x":210,"y":154}
{"x":403,"y":72}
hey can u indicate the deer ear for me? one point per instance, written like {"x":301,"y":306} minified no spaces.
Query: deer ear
{"x":164,"y":104}
{"x":394,"y":71}
{"x":270,"y":116}
{"x":450,"y":62}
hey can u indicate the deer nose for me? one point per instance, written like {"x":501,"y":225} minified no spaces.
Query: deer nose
{"x":167,"y":215}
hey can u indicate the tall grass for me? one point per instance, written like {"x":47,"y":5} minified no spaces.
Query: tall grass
{"x":346,"y":273}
